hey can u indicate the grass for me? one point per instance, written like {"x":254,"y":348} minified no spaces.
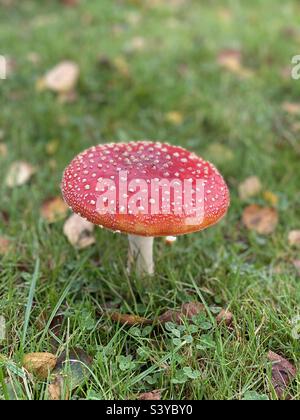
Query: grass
{"x":237,"y":123}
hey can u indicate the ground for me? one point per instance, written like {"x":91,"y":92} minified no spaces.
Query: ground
{"x":150,"y":70}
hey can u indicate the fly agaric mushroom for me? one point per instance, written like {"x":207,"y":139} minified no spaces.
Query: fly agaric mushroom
{"x":145,"y":189}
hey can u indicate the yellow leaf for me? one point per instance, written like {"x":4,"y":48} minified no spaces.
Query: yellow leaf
{"x":121,"y":66}
{"x":52,"y":147}
{"x":231,"y":61}
{"x":174,"y":117}
{"x":271,"y":198}
{"x":3,"y":150}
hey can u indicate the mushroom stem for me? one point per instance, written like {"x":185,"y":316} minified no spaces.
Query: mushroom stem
{"x":141,"y":254}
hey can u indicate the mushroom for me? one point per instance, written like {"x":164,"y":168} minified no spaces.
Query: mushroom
{"x":145,"y":189}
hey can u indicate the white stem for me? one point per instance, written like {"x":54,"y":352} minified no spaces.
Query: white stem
{"x":141,"y":254}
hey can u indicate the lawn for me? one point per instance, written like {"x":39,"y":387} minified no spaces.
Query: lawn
{"x":212,"y":77}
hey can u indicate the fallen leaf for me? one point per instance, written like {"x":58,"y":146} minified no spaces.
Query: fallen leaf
{"x":231,"y":60}
{"x":121,"y":66}
{"x":79,"y":232}
{"x":296,"y":264}
{"x":262,"y":220}
{"x":19,"y":174}
{"x":56,"y":389}
{"x":52,"y":147}
{"x":282,"y":373}
{"x":294,"y":238}
{"x":292,"y":108}
{"x":3,"y":150}
{"x":62,"y":78}
{"x":171,"y":315}
{"x":250,"y":187}
{"x":225,"y":316}
{"x":71,"y":371}
{"x":54,"y":209}
{"x":296,"y":127}
{"x":174,"y":117}
{"x":271,"y":198}
{"x":219,"y":153}
{"x":133,"y":18}
{"x":33,"y":57}
{"x":4,"y":216}
{"x":57,"y":324}
{"x":129,"y":319}
{"x":285,"y":72}
{"x":187,"y":310}
{"x":191,"y":309}
{"x":5,"y":245}
{"x":137,"y":43}
{"x":151,"y":396}
{"x":39,"y":364}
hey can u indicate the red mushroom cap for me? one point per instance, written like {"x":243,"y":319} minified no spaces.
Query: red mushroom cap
{"x":93,"y":186}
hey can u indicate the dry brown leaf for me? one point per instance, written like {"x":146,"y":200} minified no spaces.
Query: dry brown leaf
{"x":121,"y":66}
{"x":296,"y":264}
{"x":39,"y":364}
{"x":225,"y":316}
{"x":56,"y":388}
{"x":191,"y":309}
{"x":271,"y":198}
{"x":174,"y":117}
{"x":171,"y":315}
{"x":19,"y":174}
{"x":282,"y":373}
{"x":250,"y":187}
{"x":151,"y":396}
{"x":137,"y":43}
{"x":262,"y":220}
{"x":5,"y":245}
{"x":294,"y":238}
{"x":3,"y":150}
{"x":129,"y":319}
{"x":54,"y":209}
{"x":79,"y":232}
{"x":231,"y":60}
{"x":187,"y":310}
{"x":292,"y":108}
{"x":62,"y":78}
{"x":296,"y":127}
{"x":4,"y":216}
